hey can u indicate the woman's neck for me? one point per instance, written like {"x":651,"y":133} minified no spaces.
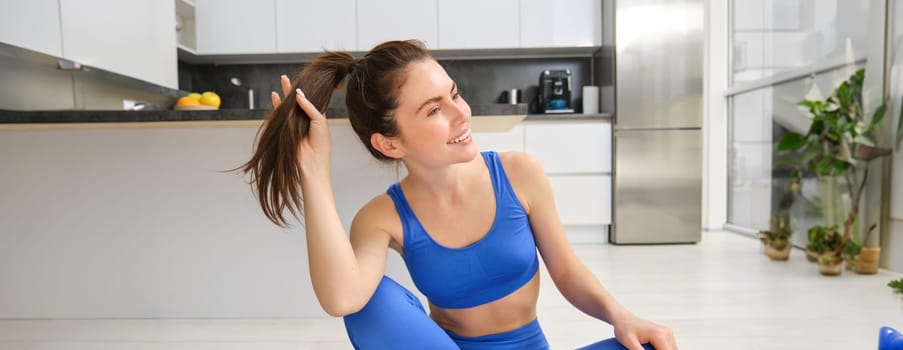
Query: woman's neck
{"x":450,"y":183}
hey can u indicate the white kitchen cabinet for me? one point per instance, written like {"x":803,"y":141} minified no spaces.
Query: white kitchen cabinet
{"x":237,"y":26}
{"x":565,"y":23}
{"x":186,"y":29}
{"x":313,"y":25}
{"x":476,"y":24}
{"x":570,"y":147}
{"x":34,"y":25}
{"x":135,"y":38}
{"x":576,"y":155}
{"x":379,"y":21}
{"x":582,"y":199}
{"x":511,"y":140}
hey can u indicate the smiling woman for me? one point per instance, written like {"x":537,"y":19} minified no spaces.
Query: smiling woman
{"x":467,"y":224}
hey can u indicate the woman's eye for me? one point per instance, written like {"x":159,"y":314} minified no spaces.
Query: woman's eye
{"x":456,"y":95}
{"x":433,"y":111}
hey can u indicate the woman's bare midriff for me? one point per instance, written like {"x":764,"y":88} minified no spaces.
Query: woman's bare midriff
{"x":506,"y":314}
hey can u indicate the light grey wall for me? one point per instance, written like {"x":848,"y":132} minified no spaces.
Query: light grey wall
{"x":29,"y":86}
{"x":31,"y":81}
{"x":141,"y":223}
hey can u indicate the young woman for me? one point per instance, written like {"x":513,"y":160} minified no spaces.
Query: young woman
{"x":467,"y":224}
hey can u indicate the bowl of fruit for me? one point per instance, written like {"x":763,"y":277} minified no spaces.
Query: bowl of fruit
{"x":194,"y":101}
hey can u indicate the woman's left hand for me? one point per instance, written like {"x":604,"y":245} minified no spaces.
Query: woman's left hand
{"x":633,"y":331}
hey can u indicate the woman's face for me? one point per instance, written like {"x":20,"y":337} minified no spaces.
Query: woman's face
{"x":433,"y":119}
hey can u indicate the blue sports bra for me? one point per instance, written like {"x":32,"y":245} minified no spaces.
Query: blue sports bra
{"x":493,"y":267}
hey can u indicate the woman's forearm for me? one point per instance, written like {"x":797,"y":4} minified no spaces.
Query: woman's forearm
{"x":334,"y":270}
{"x":583,"y":290}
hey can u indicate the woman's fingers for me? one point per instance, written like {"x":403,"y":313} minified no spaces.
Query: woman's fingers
{"x":286,"y":85}
{"x":663,"y":340}
{"x":286,"y":89}
{"x":307,"y":107}
{"x":633,"y":344}
{"x":317,"y":145}
{"x":276,"y":100}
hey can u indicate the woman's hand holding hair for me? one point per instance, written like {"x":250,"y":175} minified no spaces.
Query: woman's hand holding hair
{"x":315,"y":149}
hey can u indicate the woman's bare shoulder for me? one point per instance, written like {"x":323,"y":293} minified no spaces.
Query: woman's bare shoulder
{"x":525,"y":174}
{"x":520,"y":165}
{"x":378,"y":215}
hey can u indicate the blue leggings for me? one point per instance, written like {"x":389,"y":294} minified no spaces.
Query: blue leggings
{"x":395,"y":319}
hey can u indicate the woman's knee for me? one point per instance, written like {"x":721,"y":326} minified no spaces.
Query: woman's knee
{"x":394,"y":318}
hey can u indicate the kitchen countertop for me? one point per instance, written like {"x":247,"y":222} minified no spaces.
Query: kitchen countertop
{"x":10,"y":119}
{"x":113,"y":116}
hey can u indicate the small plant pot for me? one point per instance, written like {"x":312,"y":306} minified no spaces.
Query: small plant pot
{"x":830,"y":265}
{"x":830,"y":269}
{"x":867,"y":260}
{"x":778,"y":253}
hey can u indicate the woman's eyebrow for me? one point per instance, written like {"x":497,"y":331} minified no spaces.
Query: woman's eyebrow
{"x":437,"y":98}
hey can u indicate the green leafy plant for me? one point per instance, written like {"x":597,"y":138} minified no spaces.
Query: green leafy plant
{"x":897,"y":285}
{"x":779,"y":234}
{"x":830,"y":245}
{"x":780,"y":225}
{"x":838,"y":144}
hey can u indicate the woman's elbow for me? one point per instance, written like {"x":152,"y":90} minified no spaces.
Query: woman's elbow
{"x":341,"y":308}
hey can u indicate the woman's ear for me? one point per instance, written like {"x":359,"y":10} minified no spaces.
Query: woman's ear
{"x":388,"y":146}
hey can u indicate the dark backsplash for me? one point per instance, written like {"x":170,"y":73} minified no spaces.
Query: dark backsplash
{"x":480,"y":81}
{"x":263,"y":78}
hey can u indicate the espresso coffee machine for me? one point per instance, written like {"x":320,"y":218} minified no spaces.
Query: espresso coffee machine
{"x":554,"y":93}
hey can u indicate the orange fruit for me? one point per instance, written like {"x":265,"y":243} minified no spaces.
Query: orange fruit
{"x":187,"y":101}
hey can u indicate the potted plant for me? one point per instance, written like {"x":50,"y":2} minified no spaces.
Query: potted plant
{"x":837,"y":148}
{"x":831,"y":249}
{"x":777,"y":238}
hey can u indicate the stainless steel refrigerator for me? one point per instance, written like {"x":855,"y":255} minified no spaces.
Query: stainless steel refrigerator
{"x":657,"y":185}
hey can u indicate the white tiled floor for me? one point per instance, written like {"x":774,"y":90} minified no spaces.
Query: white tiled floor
{"x":718,"y":294}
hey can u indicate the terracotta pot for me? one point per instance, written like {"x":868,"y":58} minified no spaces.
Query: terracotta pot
{"x":830,"y":269}
{"x":867,"y":260}
{"x":778,"y":254}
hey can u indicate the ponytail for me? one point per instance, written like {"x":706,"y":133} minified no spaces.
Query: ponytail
{"x":273,"y":168}
{"x":371,"y":98}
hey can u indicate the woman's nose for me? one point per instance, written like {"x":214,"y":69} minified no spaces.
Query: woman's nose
{"x":460,"y":110}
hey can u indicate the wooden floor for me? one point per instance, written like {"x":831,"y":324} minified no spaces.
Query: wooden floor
{"x":719,"y":294}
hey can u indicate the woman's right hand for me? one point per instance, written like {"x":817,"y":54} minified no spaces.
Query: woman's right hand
{"x":314,"y":150}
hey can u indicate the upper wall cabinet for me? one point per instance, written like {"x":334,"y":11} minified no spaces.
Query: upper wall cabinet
{"x":546,"y":23}
{"x":227,"y":27}
{"x":186,"y":29}
{"x":477,"y":24}
{"x":315,"y":25}
{"x":379,"y":21}
{"x":236,"y":26}
{"x":33,"y":24}
{"x":133,"y":38}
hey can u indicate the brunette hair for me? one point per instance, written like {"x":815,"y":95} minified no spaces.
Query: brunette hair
{"x":371,"y":97}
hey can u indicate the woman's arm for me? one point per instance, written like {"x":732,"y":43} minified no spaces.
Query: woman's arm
{"x":344,"y":272}
{"x":575,"y":282}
